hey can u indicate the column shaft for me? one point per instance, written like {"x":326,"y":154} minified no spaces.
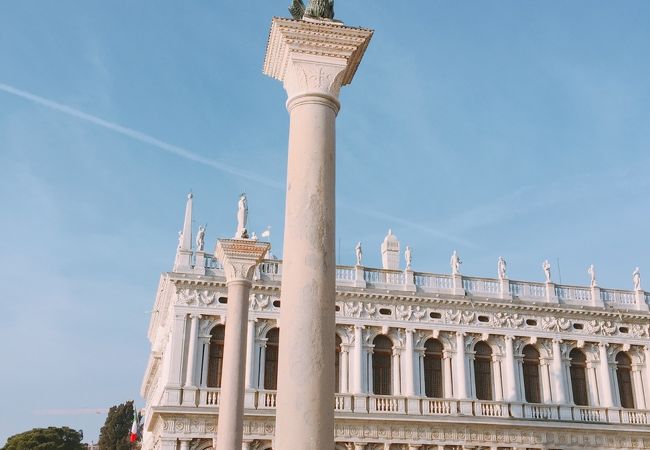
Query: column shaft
{"x":230,"y":426}
{"x":205,"y":361}
{"x":397,"y":385}
{"x":447,"y":374}
{"x":510,"y":394}
{"x":250,"y":355}
{"x":357,"y":367}
{"x":409,"y":366}
{"x":461,"y":376}
{"x":308,"y":281}
{"x":605,"y":380}
{"x":557,"y":374}
{"x":343,"y":376}
{"x":191,"y":353}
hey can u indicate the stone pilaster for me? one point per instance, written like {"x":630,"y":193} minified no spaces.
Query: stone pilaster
{"x":313,"y":59}
{"x":239,"y":258}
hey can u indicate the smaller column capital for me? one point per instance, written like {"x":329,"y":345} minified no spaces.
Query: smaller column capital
{"x":239,"y":257}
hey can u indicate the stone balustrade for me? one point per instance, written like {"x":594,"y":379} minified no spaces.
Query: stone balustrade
{"x":430,"y":283}
{"x":368,"y":404}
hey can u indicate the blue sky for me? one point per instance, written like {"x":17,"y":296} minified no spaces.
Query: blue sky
{"x":509,"y":128}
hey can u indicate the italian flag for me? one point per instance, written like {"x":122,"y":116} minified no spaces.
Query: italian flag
{"x":133,"y":435}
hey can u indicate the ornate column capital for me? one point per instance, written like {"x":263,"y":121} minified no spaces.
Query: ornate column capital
{"x":239,"y":257}
{"x":314,"y":58}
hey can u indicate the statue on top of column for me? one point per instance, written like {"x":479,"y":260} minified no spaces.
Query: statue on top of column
{"x":242,"y":218}
{"x":316,"y":9}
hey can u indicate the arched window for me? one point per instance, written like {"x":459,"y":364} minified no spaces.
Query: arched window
{"x":271,"y":359}
{"x":623,"y":375}
{"x":578,"y":370}
{"x":433,"y":368}
{"x":531,"y":375}
{"x":381,"y":365}
{"x":483,"y":370}
{"x":337,"y":364}
{"x":215,"y":363}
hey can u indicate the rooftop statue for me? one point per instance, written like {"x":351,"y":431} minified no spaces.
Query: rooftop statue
{"x":501,"y":268}
{"x":547,"y":270}
{"x":636,"y":278}
{"x":592,"y":274}
{"x":316,"y":9}
{"x":359,"y":253}
{"x":455,"y":263}
{"x":409,"y":257}
{"x":200,"y":238}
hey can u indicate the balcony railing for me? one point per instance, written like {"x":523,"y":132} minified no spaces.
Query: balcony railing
{"x":271,"y":270}
{"x":364,"y":404}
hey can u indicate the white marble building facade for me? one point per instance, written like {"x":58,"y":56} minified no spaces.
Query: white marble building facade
{"x":424,"y":361}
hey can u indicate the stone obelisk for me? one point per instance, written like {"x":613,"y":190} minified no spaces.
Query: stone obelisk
{"x":313,"y":59}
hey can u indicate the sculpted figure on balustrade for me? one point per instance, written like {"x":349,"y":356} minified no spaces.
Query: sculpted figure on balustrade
{"x":547,"y":270}
{"x":501,"y":268}
{"x":636,"y":279}
{"x":455,"y":263}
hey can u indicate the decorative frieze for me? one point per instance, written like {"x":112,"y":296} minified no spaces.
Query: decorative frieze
{"x":202,"y":426}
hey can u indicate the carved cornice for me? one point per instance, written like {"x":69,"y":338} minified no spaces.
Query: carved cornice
{"x":333,"y":51}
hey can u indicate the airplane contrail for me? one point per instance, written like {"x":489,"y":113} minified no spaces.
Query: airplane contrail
{"x":139,"y":136}
{"x":189,"y":155}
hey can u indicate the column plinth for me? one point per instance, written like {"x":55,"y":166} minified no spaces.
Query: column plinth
{"x":313,"y":59}
{"x":239,"y":258}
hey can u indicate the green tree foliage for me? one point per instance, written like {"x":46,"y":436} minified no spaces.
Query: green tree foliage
{"x":114,"y":435}
{"x":51,"y":438}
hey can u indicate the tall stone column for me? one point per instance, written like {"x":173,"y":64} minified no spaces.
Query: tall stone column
{"x":313,"y":59}
{"x":239,"y":258}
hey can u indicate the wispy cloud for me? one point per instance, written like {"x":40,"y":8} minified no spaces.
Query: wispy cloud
{"x":69,"y":411}
{"x":192,"y":156}
{"x":139,"y":136}
{"x":435,"y":232}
